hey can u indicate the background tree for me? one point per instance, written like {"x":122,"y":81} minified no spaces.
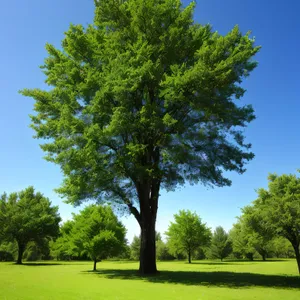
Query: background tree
{"x":162,"y":251}
{"x":37,"y":251}
{"x":281,"y":247}
{"x":8,"y":251}
{"x":240,"y":240}
{"x":200,"y":253}
{"x":221,"y":245}
{"x":280,"y":208}
{"x":63,"y":248}
{"x":135,"y":248}
{"x":27,"y":216}
{"x":144,"y":99}
{"x":187,"y":233}
{"x":259,"y":234}
{"x":98,"y":233}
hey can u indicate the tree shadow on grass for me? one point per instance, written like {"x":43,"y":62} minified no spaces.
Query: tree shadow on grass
{"x":220,"y":279}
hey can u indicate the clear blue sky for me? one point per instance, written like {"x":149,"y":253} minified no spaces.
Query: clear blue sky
{"x":25,"y":27}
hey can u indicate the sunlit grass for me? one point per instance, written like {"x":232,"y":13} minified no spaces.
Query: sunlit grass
{"x":177,"y":280}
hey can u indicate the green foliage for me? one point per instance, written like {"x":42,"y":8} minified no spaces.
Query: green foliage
{"x":135,"y":248}
{"x":187,"y":233}
{"x":125,"y":254}
{"x":63,"y":248}
{"x":37,"y":251}
{"x":27,"y":216}
{"x":259,"y":233}
{"x":220,"y":244}
{"x":240,"y":240}
{"x":281,"y":247}
{"x":200,"y":253}
{"x":280,"y":208}
{"x":98,"y":233}
{"x":143,"y":99}
{"x":6,"y":256}
{"x":162,"y":251}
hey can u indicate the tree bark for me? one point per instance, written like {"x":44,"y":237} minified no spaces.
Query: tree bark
{"x":148,"y":249}
{"x":21,"y":248}
{"x":189,"y":256}
{"x":95,"y":265}
{"x":148,"y":197}
{"x":297,"y":253}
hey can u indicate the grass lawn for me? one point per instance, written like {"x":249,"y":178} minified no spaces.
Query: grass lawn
{"x":177,"y":280}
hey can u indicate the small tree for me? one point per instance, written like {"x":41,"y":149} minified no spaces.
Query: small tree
{"x":187,"y":233}
{"x":8,"y":251}
{"x":27,"y":216}
{"x":98,"y":233}
{"x":162,"y":251}
{"x":220,"y":244}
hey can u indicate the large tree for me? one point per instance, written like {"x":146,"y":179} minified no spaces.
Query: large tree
{"x":187,"y":233}
{"x":140,"y":100}
{"x":27,"y":216}
{"x":280,"y":208}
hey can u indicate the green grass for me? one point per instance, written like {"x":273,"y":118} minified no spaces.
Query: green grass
{"x":177,"y":280}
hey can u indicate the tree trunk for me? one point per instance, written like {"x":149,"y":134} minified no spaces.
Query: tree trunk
{"x":21,"y":248}
{"x":148,"y":249}
{"x":148,"y":193}
{"x":189,"y":256}
{"x":297,"y":253}
{"x":263,"y":257}
{"x":95,"y":265}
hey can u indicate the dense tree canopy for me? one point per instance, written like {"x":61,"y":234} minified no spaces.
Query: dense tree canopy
{"x":62,"y":248}
{"x":27,"y":216}
{"x":144,"y":99}
{"x":98,"y":233}
{"x":240,"y":239}
{"x":259,"y":233}
{"x":281,"y":247}
{"x":220,"y":244}
{"x":280,"y":208}
{"x":187,"y":233}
